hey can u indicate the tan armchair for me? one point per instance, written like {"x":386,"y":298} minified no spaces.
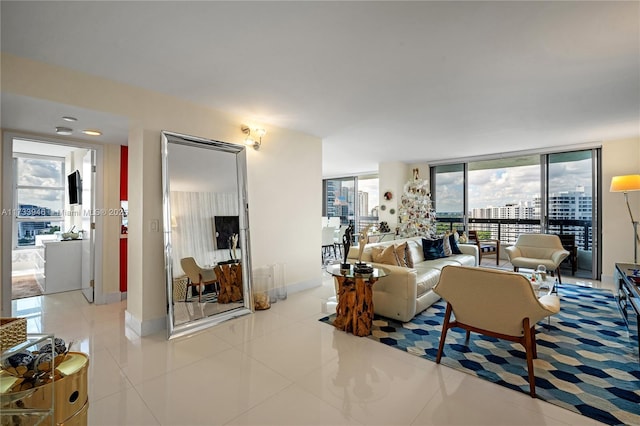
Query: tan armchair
{"x":531,"y":250}
{"x":494,"y":303}
{"x":196,"y":276}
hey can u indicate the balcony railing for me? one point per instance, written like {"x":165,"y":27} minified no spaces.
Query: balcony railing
{"x":507,"y":230}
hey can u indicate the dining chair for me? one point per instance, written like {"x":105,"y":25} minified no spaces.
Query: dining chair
{"x":328,"y":241}
{"x":338,"y":238}
{"x":334,"y":221}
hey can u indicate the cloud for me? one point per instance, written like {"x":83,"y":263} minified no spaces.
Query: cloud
{"x":37,"y":172}
{"x":509,"y":185}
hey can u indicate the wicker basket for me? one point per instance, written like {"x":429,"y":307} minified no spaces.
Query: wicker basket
{"x":13,"y":331}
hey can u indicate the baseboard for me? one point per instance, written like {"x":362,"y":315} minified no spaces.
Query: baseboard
{"x":304,"y":285}
{"x":112,"y":298}
{"x":144,"y":328}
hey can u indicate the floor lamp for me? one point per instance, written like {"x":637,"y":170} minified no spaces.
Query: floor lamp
{"x":625,"y":184}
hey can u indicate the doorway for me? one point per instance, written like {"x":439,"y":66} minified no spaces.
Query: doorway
{"x":49,"y":250}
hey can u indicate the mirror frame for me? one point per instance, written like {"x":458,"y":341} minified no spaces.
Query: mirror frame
{"x":179,"y":330}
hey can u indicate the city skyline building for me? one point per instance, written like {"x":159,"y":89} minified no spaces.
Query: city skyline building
{"x":563,"y":205}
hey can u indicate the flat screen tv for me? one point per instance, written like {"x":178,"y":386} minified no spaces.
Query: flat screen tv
{"x":75,"y":188}
{"x":225,"y":227}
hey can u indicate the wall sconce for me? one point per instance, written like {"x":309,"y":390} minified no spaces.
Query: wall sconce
{"x":250,"y":140}
{"x":626,"y":184}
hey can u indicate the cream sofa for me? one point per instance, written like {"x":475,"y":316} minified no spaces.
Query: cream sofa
{"x":405,"y":291}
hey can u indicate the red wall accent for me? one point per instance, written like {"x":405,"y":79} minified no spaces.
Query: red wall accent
{"x":124,"y":196}
{"x":124,"y":172}
{"x":123,"y":264}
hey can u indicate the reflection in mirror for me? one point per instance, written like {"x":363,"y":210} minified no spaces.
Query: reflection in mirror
{"x":206,"y":233}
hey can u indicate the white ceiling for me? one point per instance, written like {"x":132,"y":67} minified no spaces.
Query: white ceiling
{"x":377,"y":81}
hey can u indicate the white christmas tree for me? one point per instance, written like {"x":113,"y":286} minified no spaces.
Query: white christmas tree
{"x":416,"y":216}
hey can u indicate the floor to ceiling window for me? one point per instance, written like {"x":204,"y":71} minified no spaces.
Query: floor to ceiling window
{"x":354,"y":200}
{"x":448,"y":196}
{"x":505,"y":197}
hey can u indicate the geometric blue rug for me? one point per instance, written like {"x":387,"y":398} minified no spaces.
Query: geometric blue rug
{"x":587,"y":361}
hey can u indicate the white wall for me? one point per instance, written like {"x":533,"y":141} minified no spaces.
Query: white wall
{"x":392,"y":176}
{"x":619,"y":157}
{"x":284,"y":179}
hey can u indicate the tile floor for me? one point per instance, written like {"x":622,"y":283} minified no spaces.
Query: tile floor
{"x":279,"y":367}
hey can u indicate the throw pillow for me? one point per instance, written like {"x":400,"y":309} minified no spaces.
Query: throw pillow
{"x":446,"y":244}
{"x":417,"y":254}
{"x":433,"y":249}
{"x":454,"y":245}
{"x":408,"y":256}
{"x":385,"y":255}
{"x":463,"y":238}
{"x":401,"y":254}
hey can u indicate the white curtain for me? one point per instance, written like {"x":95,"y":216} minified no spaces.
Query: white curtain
{"x":193,"y":231}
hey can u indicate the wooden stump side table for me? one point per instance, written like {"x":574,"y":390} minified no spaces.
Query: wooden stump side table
{"x":354,"y":313}
{"x":230,"y":278}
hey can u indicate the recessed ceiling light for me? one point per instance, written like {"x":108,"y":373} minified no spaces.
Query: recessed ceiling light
{"x":69,"y":118}
{"x":91,"y":132}
{"x":64,"y":130}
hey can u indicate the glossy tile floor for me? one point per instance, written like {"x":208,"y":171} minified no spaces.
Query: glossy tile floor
{"x":275,"y":367}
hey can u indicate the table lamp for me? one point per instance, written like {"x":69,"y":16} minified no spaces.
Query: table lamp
{"x":625,"y":184}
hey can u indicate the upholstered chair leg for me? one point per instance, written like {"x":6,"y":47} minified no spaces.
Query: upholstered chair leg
{"x":515,"y":269}
{"x":467,"y":336}
{"x":528,"y":345}
{"x":186,"y":290}
{"x":443,"y":335}
{"x":559,"y":277}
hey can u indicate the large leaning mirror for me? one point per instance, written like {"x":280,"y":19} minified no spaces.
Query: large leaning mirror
{"x":206,"y":232}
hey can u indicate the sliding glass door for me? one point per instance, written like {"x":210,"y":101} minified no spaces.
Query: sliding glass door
{"x":554,"y":193}
{"x":570,"y":195}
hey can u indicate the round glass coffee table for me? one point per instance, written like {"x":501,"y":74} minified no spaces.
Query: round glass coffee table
{"x":354,"y":313}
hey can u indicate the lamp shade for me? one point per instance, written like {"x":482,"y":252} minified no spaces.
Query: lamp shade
{"x":625,"y":183}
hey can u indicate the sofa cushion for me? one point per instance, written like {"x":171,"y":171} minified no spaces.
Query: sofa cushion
{"x":437,"y":264}
{"x":446,"y":244}
{"x":426,"y":279}
{"x":385,"y":255}
{"x":416,"y":254}
{"x":401,"y":254}
{"x":366,"y":254}
{"x":433,"y":249}
{"x":454,"y":243}
{"x":463,"y":259}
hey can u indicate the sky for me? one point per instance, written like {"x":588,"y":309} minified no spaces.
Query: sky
{"x":501,"y":186}
{"x":43,"y":174}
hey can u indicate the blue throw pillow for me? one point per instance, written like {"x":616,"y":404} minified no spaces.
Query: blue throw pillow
{"x":454,"y":245}
{"x":433,"y":249}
